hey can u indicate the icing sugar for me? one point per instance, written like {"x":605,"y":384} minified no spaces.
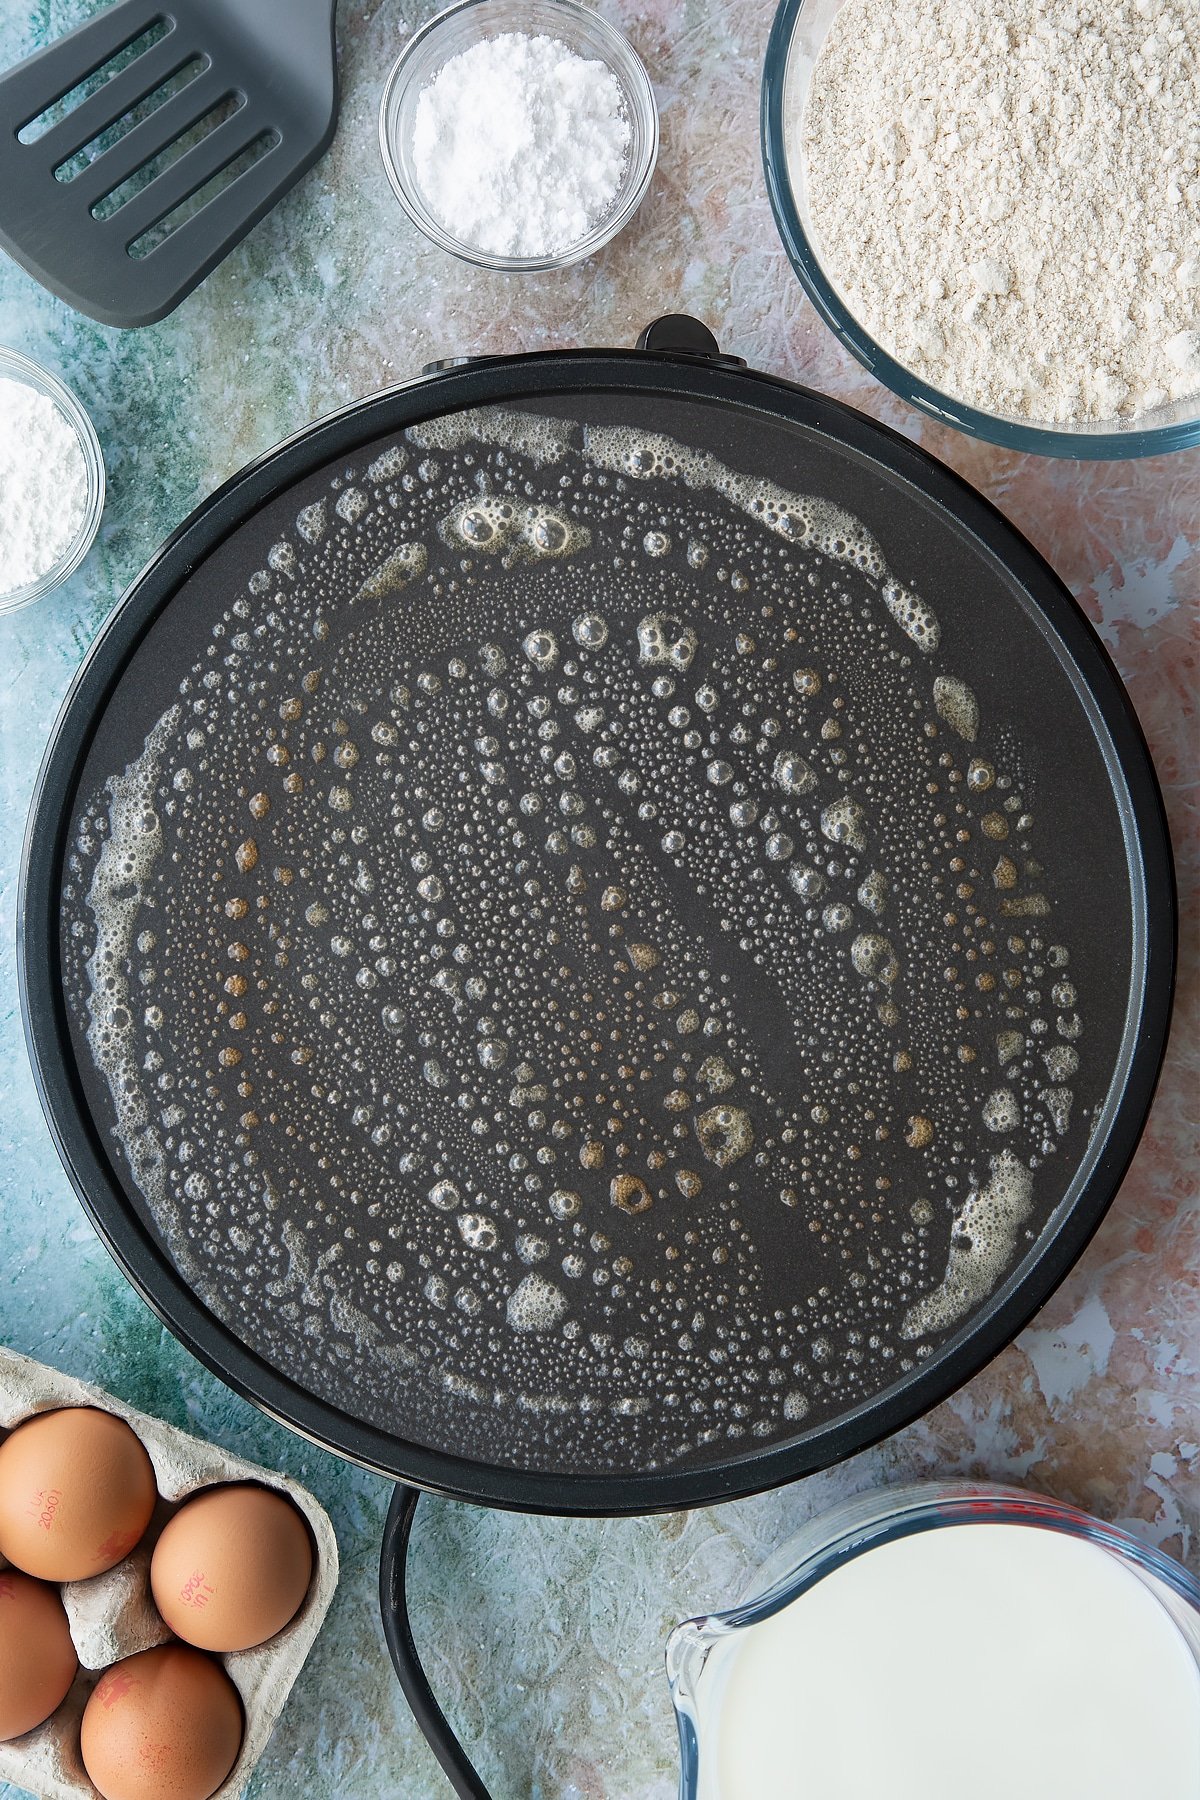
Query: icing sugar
{"x":43,"y":484}
{"x":520,"y":145}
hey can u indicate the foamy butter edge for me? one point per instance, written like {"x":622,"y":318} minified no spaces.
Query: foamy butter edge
{"x":802,"y":519}
{"x":134,"y":844}
{"x":983,"y":1240}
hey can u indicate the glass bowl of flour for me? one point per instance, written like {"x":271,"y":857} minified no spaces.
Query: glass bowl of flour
{"x":996,"y":208}
{"x":51,"y":482}
{"x":519,"y":135}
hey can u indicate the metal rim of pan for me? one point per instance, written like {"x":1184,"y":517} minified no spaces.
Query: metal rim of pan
{"x":556,"y":375}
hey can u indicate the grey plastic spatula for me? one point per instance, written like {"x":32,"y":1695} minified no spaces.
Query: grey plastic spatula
{"x":124,"y":228}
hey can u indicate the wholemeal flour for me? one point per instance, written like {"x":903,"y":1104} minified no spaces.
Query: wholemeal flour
{"x":1006,"y":194}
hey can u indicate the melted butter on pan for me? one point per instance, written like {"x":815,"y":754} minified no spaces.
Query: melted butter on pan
{"x":567,"y":997}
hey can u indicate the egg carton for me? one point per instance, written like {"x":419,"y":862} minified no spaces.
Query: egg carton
{"x":113,"y":1615}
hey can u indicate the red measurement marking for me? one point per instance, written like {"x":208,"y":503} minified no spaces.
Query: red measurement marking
{"x":8,"y":1587}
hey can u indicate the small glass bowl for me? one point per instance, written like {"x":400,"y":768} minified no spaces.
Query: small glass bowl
{"x":472,"y":21}
{"x":797,"y":35}
{"x":15,"y":367}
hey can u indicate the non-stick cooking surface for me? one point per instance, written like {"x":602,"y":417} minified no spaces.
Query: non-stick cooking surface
{"x":605,"y":942}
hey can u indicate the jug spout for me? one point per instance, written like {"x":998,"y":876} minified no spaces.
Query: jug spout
{"x":688,"y":1649}
{"x":687,"y":1652}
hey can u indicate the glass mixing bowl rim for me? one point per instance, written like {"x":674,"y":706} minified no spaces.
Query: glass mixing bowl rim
{"x":1084,"y":444}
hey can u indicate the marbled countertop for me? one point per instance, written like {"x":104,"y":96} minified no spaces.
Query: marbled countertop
{"x":546,"y":1637}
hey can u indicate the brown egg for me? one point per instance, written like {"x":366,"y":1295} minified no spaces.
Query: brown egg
{"x":231,"y":1567}
{"x":163,"y":1725}
{"x":37,"y":1657}
{"x":76,"y":1493}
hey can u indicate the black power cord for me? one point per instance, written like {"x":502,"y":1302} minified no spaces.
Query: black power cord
{"x":397,"y":1630}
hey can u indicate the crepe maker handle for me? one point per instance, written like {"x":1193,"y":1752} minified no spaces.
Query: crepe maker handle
{"x":397,"y":1630}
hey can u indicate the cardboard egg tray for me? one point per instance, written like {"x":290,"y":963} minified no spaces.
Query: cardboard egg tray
{"x":113,"y":1615}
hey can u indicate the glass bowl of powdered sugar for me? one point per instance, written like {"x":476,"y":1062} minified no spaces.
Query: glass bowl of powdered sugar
{"x":996,"y":208}
{"x":51,"y":482}
{"x":520,"y":135}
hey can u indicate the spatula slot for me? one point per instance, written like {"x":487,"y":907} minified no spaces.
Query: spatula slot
{"x":105,"y":140}
{"x":225,"y":178}
{"x":64,"y":104}
{"x":157,"y":165}
{"x":138,"y":126}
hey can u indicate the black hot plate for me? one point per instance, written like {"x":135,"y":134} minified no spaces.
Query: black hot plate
{"x":597,"y":931}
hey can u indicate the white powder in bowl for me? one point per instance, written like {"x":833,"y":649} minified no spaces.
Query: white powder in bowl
{"x":43,"y":485}
{"x":1006,"y":194}
{"x":520,"y":145}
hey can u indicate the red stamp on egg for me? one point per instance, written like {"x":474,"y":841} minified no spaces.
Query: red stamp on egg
{"x":196,"y":1590}
{"x":114,"y":1686}
{"x":43,"y":1506}
{"x":117,"y":1545}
